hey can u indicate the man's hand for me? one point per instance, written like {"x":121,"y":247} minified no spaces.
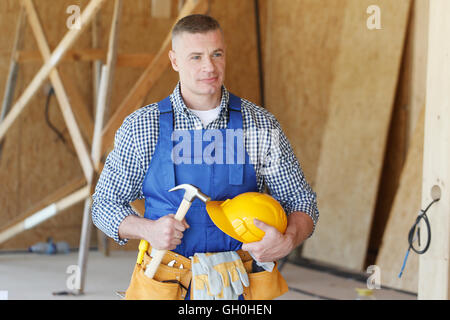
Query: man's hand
{"x":273,"y":246}
{"x":166,"y":232}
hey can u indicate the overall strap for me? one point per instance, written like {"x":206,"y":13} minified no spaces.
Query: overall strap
{"x":165,"y":142}
{"x":234,"y":104}
{"x":236,"y":171}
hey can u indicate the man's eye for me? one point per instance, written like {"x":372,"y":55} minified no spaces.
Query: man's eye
{"x":195,"y":57}
{"x":218,"y":54}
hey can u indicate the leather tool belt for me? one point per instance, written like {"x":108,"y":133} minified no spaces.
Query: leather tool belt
{"x":172,"y":282}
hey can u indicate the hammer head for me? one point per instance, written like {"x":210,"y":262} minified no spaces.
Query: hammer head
{"x":192,"y":192}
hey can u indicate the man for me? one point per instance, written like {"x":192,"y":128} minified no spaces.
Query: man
{"x":140,"y":165}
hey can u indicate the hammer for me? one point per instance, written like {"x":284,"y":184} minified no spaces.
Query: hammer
{"x":190,"y":194}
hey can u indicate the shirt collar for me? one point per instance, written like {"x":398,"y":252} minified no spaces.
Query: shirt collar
{"x":179,"y":105}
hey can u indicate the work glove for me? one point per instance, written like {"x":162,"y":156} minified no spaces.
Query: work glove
{"x":226,"y":274}
{"x":200,"y":283}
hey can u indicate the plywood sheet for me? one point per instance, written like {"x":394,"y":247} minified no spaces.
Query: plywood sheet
{"x":302,"y":38}
{"x":403,"y":214}
{"x":360,"y":106}
{"x":409,"y":101}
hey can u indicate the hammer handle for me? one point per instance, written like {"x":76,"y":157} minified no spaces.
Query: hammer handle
{"x":158,"y":255}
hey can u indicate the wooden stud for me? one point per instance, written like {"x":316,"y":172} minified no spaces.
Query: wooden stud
{"x":13,"y":66}
{"x":104,"y":91}
{"x":96,"y":69}
{"x":111,"y":60}
{"x":434,"y":265}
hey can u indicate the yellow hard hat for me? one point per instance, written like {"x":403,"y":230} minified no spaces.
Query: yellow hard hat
{"x":235,"y":217}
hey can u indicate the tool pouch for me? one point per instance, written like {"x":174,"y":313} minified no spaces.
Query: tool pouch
{"x":169,"y":283}
{"x":264,"y":285}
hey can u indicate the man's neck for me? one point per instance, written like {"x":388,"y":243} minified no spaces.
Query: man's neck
{"x":201,"y":102}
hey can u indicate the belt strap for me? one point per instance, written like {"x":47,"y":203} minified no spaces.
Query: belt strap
{"x":186,"y":262}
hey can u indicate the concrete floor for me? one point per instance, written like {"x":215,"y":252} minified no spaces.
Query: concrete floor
{"x":25,"y":276}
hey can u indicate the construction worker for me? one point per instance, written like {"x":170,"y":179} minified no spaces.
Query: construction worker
{"x":146,"y":163}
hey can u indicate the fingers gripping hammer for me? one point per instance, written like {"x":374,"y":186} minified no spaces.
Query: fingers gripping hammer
{"x":191,"y":192}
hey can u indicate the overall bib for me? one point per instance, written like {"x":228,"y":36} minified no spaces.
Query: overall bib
{"x":218,"y":180}
{"x":217,"y":164}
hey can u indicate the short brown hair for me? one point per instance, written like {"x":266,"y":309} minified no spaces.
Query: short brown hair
{"x":195,"y":23}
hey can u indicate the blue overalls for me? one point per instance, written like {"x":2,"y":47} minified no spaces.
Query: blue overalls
{"x":219,"y":180}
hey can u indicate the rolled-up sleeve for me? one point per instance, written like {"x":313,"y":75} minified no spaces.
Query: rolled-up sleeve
{"x":119,"y":184}
{"x":284,"y":176}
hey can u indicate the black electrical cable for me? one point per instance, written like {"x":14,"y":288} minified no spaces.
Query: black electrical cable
{"x":259,"y":52}
{"x":412,"y":232}
{"x":50,"y":93}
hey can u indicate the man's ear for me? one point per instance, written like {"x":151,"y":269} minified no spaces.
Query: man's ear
{"x":173,"y":60}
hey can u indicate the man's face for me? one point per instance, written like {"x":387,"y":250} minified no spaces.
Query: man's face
{"x":199,"y":58}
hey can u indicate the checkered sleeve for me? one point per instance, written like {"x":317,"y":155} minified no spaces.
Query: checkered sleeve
{"x":119,"y":183}
{"x":284,"y":176}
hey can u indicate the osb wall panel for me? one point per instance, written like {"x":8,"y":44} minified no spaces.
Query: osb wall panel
{"x":34,"y":162}
{"x":42,"y":163}
{"x":302,"y":41}
{"x":361,"y":101}
{"x":410,"y":100}
{"x":237,"y":18}
{"x":417,"y":53}
{"x":404,"y":211}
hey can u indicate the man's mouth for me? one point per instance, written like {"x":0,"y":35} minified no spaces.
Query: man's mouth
{"x":209,"y":80}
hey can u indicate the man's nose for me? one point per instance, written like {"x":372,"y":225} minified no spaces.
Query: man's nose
{"x":208,"y":64}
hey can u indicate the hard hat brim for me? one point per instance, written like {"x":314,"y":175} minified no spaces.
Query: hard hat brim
{"x":219,"y":218}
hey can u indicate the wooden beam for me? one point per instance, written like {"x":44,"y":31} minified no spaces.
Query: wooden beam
{"x":134,"y":60}
{"x":149,"y":77}
{"x":434,"y":265}
{"x":104,"y":92}
{"x":111,"y":60}
{"x":86,"y":225}
{"x":61,"y":95}
{"x":13,"y":66}
{"x":11,"y":81}
{"x":76,"y":55}
{"x":51,"y":205}
{"x":96,"y":73}
{"x":66,"y":43}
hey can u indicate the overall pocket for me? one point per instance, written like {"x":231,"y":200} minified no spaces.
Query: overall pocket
{"x":167,"y":284}
{"x":265,"y":285}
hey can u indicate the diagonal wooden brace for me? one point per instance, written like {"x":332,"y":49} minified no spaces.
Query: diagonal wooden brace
{"x":55,"y":58}
{"x":61,"y":95}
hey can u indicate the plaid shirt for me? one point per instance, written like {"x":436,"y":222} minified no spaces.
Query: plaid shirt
{"x":271,"y":154}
